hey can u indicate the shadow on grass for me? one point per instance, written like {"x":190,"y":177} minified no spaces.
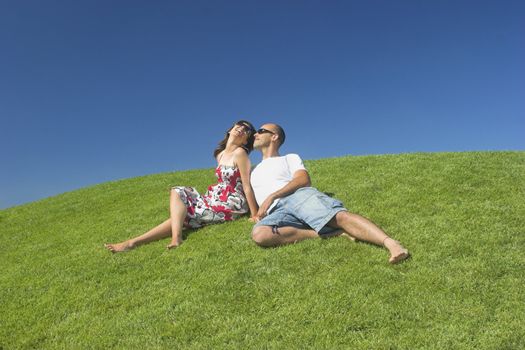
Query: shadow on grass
{"x":188,"y":231}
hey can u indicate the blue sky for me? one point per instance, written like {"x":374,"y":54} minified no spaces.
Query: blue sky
{"x":93,"y":91}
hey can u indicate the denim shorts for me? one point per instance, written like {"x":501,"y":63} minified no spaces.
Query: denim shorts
{"x":306,"y":208}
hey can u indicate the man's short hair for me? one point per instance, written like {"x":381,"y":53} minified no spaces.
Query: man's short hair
{"x":280,"y":133}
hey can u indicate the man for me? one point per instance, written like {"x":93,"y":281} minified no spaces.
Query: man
{"x":290,"y":210}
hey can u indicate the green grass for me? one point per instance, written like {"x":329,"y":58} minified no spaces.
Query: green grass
{"x":462,"y":215}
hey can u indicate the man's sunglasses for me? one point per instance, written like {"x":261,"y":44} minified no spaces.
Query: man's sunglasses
{"x":265,"y":131}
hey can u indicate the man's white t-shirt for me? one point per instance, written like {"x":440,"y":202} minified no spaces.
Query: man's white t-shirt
{"x":272,"y":174}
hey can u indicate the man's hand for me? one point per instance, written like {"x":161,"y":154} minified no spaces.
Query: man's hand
{"x":263,"y":208}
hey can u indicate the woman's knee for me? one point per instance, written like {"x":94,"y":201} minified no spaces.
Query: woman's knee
{"x":177,"y":204}
{"x":175,"y":196}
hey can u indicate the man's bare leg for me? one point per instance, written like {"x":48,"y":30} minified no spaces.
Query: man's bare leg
{"x":178,"y":213}
{"x":160,"y":231}
{"x":353,"y":225}
{"x":266,"y":237}
{"x":365,"y":230}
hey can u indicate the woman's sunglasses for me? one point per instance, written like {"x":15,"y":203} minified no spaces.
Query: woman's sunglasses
{"x":246,"y":128}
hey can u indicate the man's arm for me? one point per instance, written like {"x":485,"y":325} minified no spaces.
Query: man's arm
{"x":300,"y":179}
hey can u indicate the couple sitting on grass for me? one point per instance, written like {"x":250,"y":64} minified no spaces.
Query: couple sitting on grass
{"x":283,"y":206}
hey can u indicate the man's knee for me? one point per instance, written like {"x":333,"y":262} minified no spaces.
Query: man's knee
{"x":262,"y":235}
{"x":341,"y":218}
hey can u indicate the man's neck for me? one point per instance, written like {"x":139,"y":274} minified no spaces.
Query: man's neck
{"x":270,"y":152}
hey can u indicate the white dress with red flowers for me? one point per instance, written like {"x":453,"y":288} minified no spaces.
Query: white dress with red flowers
{"x":223,"y":201}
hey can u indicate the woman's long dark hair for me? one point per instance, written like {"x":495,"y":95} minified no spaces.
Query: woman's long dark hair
{"x":248,"y":147}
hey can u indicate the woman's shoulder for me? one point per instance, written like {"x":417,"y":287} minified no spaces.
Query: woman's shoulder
{"x":240,"y":157}
{"x":237,"y":156}
{"x":219,"y":156}
{"x":239,"y":152}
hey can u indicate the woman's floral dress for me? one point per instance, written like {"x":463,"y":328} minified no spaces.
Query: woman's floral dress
{"x":223,"y":201}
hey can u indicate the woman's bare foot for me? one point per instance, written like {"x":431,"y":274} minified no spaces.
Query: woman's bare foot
{"x":175,"y":242}
{"x":119,"y":247}
{"x":398,"y":253}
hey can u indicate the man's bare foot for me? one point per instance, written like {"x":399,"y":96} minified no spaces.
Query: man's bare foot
{"x":119,"y":247}
{"x":347,"y":236}
{"x":174,"y":243}
{"x":398,"y":253}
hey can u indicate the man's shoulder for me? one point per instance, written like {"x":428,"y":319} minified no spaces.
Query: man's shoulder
{"x":292,"y":156}
{"x":294,"y":162}
{"x":286,"y":159}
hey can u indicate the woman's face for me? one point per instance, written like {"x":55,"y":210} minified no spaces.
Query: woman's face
{"x":241,"y":131}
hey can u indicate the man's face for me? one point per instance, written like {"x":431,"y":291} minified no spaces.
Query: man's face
{"x":264,"y":135}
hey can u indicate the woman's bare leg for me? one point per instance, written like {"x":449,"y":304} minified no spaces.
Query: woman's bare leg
{"x":161,"y":231}
{"x":178,"y":213}
{"x":171,"y":227}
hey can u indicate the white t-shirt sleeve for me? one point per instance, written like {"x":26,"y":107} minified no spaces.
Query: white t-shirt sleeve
{"x":294,"y":163}
{"x":272,"y":174}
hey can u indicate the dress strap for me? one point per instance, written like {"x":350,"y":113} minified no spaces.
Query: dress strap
{"x":219,"y":161}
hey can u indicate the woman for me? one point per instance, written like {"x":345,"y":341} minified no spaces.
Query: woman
{"x":231,"y":197}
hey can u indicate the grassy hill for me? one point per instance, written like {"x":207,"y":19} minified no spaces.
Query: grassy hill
{"x":462,"y":216}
